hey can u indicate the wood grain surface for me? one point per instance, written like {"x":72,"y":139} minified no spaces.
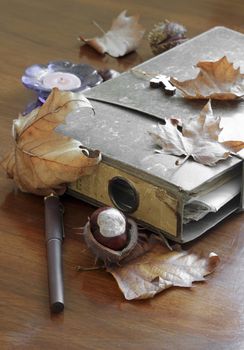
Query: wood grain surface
{"x":96,"y":316}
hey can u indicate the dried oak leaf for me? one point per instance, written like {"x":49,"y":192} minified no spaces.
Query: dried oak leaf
{"x":123,"y":37}
{"x":42,"y":160}
{"x":198,"y":138}
{"x":217,"y":80}
{"x":159,"y":269}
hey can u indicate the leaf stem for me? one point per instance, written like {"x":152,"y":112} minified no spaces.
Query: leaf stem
{"x":143,"y":74}
{"x":98,"y":26}
{"x":180,"y":163}
{"x":161,"y":237}
{"x":91,"y":268}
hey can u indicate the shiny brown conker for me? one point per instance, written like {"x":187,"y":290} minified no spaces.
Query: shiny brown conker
{"x":109,"y":227}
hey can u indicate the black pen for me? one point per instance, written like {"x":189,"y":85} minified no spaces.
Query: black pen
{"x":54,"y":238}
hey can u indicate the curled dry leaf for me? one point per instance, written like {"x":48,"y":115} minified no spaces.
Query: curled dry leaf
{"x":159,"y":269}
{"x":198,"y":138}
{"x":42,"y":160}
{"x":217,"y":80}
{"x":123,"y":37}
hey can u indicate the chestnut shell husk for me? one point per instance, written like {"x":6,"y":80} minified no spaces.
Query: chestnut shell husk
{"x":166,"y":35}
{"x":110,"y":256}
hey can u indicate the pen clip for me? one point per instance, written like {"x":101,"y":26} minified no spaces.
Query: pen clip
{"x":61,"y":209}
{"x":58,"y":211}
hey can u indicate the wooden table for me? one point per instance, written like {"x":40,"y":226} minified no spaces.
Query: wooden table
{"x":96,"y":316}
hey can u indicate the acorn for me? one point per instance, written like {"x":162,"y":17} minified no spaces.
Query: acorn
{"x":110,"y":235}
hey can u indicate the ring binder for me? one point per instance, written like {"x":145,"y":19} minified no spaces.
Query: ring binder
{"x":126,"y":109}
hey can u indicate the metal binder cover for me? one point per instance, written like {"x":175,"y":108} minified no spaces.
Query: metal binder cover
{"x":126,"y":108}
{"x":131,"y":90}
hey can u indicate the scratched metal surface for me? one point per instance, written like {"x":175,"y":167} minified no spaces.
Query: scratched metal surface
{"x":120,"y":128}
{"x":131,"y":91}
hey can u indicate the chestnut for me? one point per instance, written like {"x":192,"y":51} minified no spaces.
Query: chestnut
{"x":109,"y":227}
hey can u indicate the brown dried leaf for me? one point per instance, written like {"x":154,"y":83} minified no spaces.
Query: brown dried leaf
{"x":198,"y":138}
{"x":43,"y":161}
{"x":123,"y":37}
{"x":217,"y":80}
{"x":159,"y":269}
{"x":234,"y":146}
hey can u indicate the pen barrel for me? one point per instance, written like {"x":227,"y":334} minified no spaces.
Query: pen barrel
{"x":54,"y":238}
{"x":53,"y":218}
{"x":55,"y":275}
